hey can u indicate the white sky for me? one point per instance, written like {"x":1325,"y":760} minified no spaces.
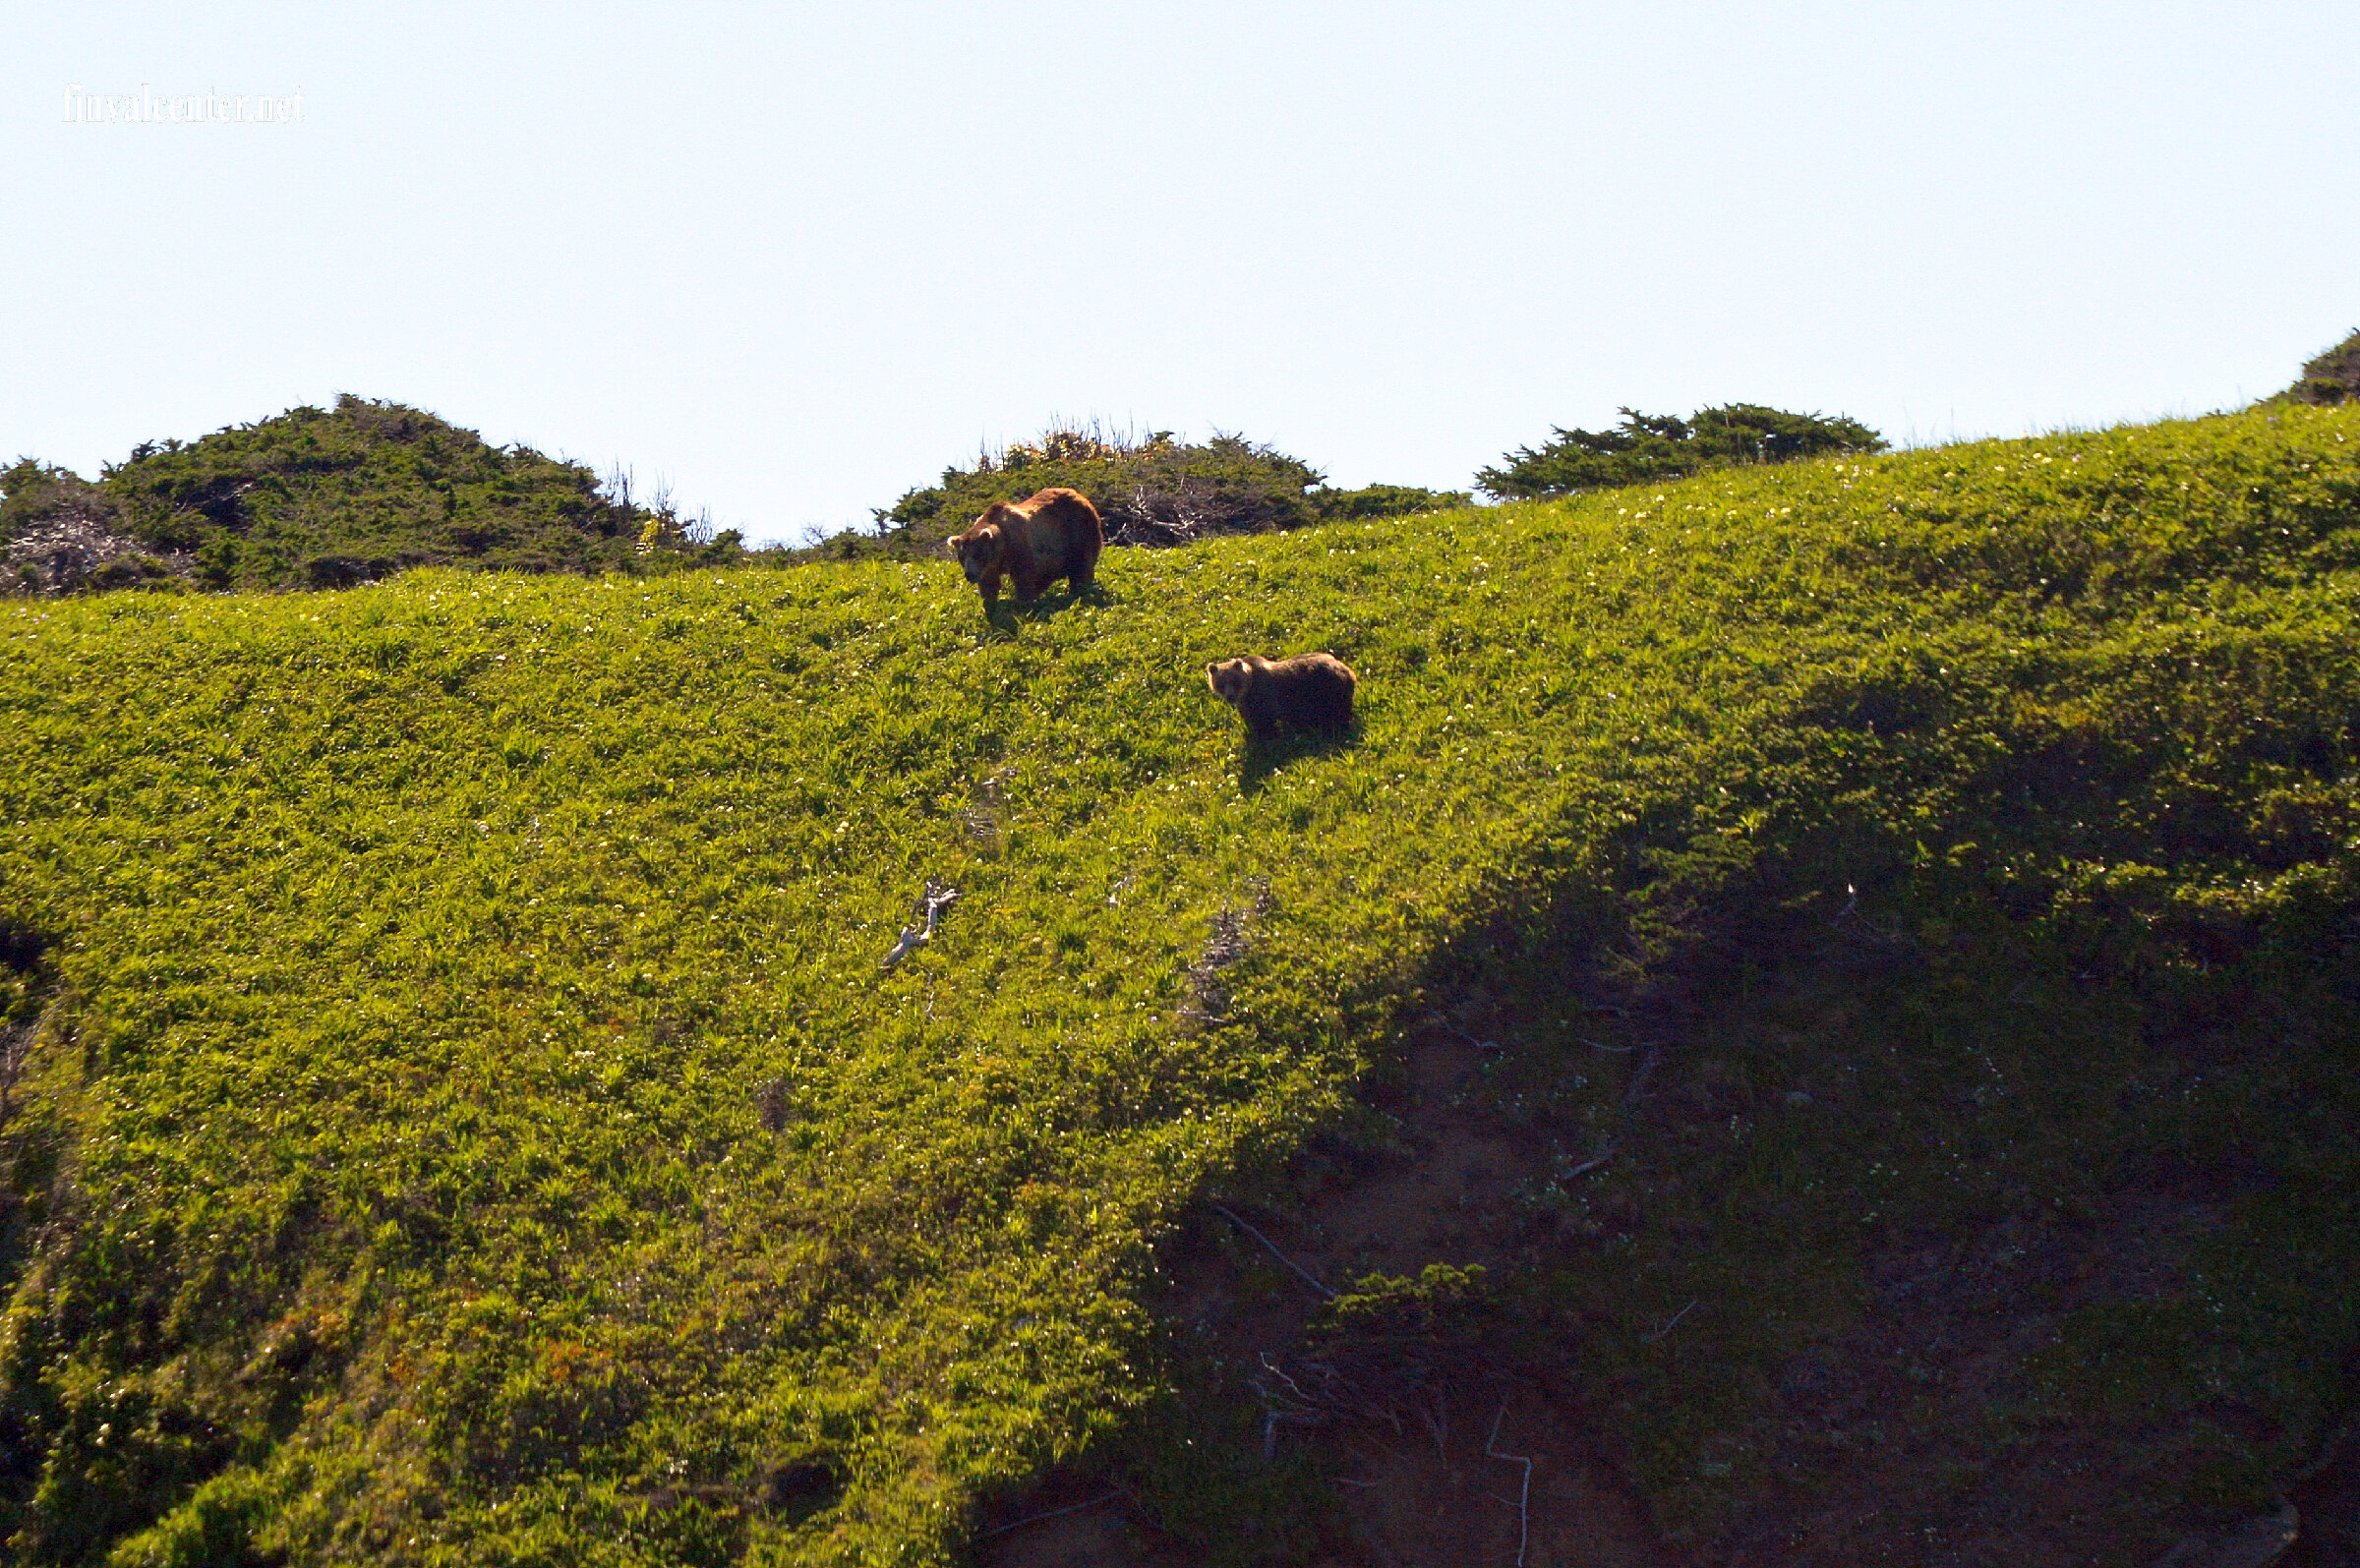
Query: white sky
{"x":799,"y":257}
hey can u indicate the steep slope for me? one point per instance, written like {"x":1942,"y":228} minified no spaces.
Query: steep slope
{"x":470,"y":1121}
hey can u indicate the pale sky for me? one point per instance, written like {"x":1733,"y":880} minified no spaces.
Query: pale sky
{"x":798,"y":259}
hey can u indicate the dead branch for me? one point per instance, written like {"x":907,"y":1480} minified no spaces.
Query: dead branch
{"x":1524,"y":1498}
{"x":937,"y":898}
{"x":1589,"y":1165}
{"x":1052,"y":1513}
{"x":1437,"y":1416}
{"x":1441,"y":1023}
{"x":1300,"y":1272}
{"x":1329,"y":1397}
{"x":1673,"y":1324}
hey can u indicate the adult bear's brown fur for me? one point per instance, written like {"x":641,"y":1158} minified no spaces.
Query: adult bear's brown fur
{"x":1056,"y":534}
{"x":1309,"y":692}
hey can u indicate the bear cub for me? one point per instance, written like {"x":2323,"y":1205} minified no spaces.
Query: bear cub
{"x":1032,"y":543}
{"x":1310,"y":693}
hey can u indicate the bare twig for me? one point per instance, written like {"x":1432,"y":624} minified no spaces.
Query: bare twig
{"x":931,"y":904}
{"x":1437,"y":1417}
{"x":1589,"y":1164}
{"x":1300,"y":1272}
{"x":1524,"y":1498}
{"x":1053,"y":1513}
{"x":1675,"y":1323}
{"x":1441,"y":1023}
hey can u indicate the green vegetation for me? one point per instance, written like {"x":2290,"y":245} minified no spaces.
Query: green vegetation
{"x":1159,"y":491}
{"x":470,"y":1121}
{"x":1651,"y":448}
{"x":2333,"y":378}
{"x":314,"y":499}
{"x":58,"y":534}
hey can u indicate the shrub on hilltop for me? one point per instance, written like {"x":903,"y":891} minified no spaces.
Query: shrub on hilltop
{"x":2331,"y":379}
{"x":1650,"y":448}
{"x":323,"y":498}
{"x":1156,"y":491}
{"x":59,"y":533}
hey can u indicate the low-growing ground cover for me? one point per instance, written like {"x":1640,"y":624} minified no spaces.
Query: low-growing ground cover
{"x":470,"y":1121}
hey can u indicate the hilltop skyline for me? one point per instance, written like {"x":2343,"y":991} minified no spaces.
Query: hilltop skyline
{"x":798,"y":263}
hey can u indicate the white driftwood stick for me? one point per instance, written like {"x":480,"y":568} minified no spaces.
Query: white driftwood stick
{"x":916,"y":937}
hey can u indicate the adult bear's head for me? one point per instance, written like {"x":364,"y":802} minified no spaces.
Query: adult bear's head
{"x":979,"y":548}
{"x":1232,"y":677}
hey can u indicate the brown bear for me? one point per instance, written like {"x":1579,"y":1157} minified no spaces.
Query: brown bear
{"x":1311,"y":693}
{"x":1056,"y":534}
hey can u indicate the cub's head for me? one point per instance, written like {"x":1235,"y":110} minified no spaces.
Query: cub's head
{"x":978,"y":548}
{"x":1229,"y":679}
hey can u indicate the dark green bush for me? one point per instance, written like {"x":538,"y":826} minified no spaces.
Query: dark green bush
{"x":33,"y":491}
{"x":2331,"y":379}
{"x":327,"y":499}
{"x":1372,"y":501}
{"x":1649,"y":448}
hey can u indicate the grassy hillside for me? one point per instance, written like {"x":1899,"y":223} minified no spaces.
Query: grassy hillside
{"x":468,"y":1119}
